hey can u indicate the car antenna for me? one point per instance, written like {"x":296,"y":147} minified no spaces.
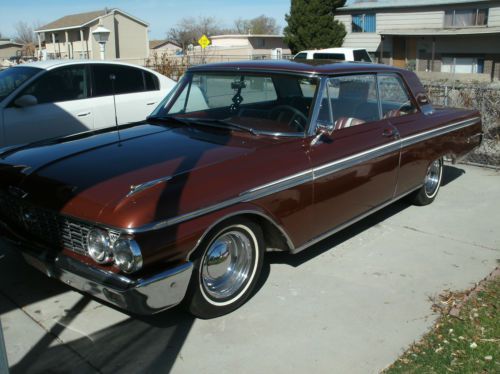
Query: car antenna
{"x":112,"y":77}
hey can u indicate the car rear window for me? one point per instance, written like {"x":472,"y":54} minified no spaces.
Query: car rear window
{"x":127,"y":79}
{"x":329,"y":56}
{"x":361,"y":55}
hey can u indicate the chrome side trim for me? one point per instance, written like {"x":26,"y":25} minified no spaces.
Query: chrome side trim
{"x":143,"y":186}
{"x":357,"y":158}
{"x":410,"y":140}
{"x":351,"y":222}
{"x":238,"y":213}
{"x":308,"y":175}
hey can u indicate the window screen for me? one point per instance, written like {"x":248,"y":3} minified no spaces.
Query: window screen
{"x":364,"y":22}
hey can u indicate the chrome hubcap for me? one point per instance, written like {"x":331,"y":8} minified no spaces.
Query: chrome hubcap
{"x":226,"y":265}
{"x":432,"y":178}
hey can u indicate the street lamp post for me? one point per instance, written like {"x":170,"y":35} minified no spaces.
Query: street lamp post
{"x":101,"y":35}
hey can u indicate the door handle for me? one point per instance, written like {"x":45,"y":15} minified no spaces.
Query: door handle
{"x":83,"y":114}
{"x":151,"y":103}
{"x":390,"y":133}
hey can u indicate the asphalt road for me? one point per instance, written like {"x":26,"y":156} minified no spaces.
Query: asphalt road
{"x":350,"y":304}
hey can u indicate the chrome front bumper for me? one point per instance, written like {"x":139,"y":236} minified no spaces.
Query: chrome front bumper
{"x":140,"y":296}
{"x":143,"y":296}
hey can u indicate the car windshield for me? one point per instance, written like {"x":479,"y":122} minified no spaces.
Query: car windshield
{"x":274,"y":104}
{"x":12,"y":78}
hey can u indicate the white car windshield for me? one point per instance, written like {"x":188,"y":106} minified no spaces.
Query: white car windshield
{"x":261,"y":103}
{"x":12,"y":78}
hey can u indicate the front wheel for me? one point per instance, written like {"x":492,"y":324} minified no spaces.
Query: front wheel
{"x":432,"y":181}
{"x":227,"y":269}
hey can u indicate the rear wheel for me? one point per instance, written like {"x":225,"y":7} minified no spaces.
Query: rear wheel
{"x":227,"y":269}
{"x":432,"y":181}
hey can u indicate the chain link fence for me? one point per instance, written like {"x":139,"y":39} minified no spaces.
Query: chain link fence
{"x":484,"y":98}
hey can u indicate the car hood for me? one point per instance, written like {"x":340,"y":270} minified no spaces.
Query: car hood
{"x":90,"y":175}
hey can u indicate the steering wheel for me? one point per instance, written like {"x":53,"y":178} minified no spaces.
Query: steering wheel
{"x":406,"y":105}
{"x":297,"y":115}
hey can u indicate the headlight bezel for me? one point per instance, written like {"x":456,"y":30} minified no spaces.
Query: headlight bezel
{"x":105,"y":256}
{"x":131,"y":249}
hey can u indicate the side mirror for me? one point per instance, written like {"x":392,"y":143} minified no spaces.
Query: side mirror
{"x":322,"y":128}
{"x":425,"y":104}
{"x":25,"y":101}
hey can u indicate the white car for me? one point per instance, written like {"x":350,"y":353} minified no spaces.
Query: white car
{"x":343,"y":54}
{"x":55,"y":98}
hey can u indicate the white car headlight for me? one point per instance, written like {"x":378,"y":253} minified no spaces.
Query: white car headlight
{"x":127,"y":255}
{"x":99,"y":246}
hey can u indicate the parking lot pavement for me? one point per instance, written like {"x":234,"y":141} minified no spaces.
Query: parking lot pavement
{"x":350,"y":304}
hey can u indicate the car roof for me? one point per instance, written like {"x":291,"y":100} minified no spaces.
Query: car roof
{"x":51,"y":64}
{"x":297,"y":66}
{"x":339,"y":49}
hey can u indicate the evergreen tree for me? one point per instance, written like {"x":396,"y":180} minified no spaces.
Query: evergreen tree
{"x":311,"y":25}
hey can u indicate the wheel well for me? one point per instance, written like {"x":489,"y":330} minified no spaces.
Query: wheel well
{"x":274,"y":238}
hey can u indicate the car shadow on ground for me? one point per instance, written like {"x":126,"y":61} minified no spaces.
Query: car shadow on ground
{"x":450,"y":173}
{"x":143,"y":344}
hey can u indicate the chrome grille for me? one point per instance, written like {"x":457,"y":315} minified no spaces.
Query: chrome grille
{"x":46,"y":226}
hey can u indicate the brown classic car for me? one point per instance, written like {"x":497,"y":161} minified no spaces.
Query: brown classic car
{"x":239,"y":159}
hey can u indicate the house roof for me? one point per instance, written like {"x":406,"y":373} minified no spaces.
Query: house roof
{"x":8,"y":42}
{"x":72,"y":21}
{"x":153,"y":44}
{"x":384,"y":4}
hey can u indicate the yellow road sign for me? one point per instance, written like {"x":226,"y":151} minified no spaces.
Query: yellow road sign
{"x":204,"y":41}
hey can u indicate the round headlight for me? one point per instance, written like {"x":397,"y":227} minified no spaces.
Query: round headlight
{"x":127,"y":255}
{"x":99,"y":246}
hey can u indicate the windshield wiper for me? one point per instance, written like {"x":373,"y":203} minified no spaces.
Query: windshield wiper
{"x":226,"y":123}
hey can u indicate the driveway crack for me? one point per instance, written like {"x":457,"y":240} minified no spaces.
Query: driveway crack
{"x":448,"y":238}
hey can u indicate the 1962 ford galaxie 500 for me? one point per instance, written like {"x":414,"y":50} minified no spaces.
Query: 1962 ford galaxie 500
{"x":240,"y":158}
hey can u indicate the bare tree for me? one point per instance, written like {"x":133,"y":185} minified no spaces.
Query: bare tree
{"x":262,"y":25}
{"x":190,"y":29}
{"x":24,"y":33}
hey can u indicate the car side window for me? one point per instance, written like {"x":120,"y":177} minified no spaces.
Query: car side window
{"x":62,"y":84}
{"x":354,"y":100}
{"x":127,"y":80}
{"x":396,"y":101}
{"x":152,"y":82}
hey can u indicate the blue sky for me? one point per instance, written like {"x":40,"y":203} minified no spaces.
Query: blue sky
{"x":160,"y":14}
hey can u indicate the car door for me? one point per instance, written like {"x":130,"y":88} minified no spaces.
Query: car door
{"x":356,"y":165}
{"x":400,"y":108}
{"x":136,"y":96}
{"x":62,"y":107}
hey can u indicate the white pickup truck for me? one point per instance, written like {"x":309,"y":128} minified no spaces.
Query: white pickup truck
{"x":342,"y":54}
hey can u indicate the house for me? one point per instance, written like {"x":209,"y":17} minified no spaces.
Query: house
{"x":164,"y":47}
{"x":244,"y":47}
{"x":9,"y":49}
{"x":71,"y":36}
{"x":447,"y":36}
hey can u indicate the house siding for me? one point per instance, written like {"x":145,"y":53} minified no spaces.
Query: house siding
{"x":494,"y":16}
{"x":410,"y":20}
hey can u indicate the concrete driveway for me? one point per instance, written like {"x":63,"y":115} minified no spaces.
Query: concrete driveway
{"x":350,"y":304}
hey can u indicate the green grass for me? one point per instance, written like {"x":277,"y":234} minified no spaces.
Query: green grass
{"x":467,"y":343}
